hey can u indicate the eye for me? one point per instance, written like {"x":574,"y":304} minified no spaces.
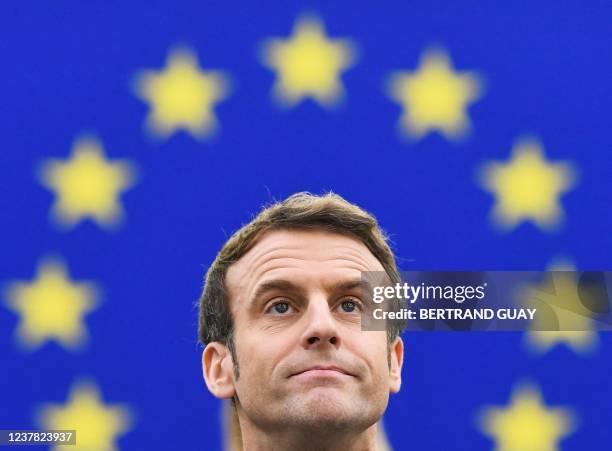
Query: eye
{"x":349,"y":305}
{"x":279,"y":308}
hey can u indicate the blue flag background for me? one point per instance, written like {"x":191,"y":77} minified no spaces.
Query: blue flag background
{"x":70,"y":69}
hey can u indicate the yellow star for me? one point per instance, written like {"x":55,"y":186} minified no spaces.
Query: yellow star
{"x":560,"y":297}
{"x":182,"y":96}
{"x":97,"y":426}
{"x":526,"y":424}
{"x":527,"y":187}
{"x":434,"y":98}
{"x":87,"y":185}
{"x":51,"y":307}
{"x":308,"y":64}
{"x":580,"y":341}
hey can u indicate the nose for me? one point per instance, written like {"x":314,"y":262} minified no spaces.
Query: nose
{"x":321,"y":327}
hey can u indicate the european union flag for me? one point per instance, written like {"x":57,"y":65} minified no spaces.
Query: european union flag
{"x":136,"y":137}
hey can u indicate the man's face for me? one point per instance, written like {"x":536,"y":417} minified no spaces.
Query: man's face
{"x":304,"y":361}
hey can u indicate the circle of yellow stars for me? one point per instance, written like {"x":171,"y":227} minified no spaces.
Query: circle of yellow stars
{"x":434,"y":98}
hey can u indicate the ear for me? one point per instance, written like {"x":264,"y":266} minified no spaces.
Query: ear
{"x":218,"y":370}
{"x":397,"y":360}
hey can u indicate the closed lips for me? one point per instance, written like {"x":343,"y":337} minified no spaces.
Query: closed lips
{"x":323,"y":368}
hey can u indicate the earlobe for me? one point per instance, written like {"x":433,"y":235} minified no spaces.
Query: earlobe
{"x":397,"y":360}
{"x":217,"y":367}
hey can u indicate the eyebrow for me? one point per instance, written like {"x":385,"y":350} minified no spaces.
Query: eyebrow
{"x":290,"y":287}
{"x":275,"y":285}
{"x":352,"y":284}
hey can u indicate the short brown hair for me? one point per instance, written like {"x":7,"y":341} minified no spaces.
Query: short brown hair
{"x":301,"y":211}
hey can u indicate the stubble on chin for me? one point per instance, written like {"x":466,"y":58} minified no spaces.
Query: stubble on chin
{"x":322,"y":411}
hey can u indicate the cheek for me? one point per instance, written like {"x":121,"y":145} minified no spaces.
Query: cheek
{"x":373,"y":350}
{"x":259,"y":354}
{"x":264,"y":362}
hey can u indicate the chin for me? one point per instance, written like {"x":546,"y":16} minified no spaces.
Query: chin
{"x":321,"y":409}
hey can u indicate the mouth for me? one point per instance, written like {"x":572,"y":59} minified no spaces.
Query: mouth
{"x":322,"y":371}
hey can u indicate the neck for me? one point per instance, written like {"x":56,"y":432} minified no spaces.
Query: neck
{"x":256,"y":439}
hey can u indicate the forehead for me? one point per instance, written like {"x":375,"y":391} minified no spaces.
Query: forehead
{"x":310,"y":256}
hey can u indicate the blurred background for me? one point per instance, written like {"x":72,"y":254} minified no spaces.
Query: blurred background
{"x":136,"y":137}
